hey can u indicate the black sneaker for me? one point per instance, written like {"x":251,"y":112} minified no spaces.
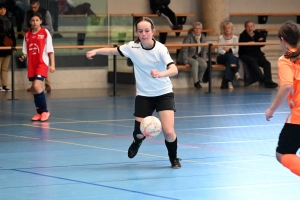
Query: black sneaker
{"x":175,"y":163}
{"x":133,"y":149}
{"x":271,"y":84}
{"x":6,"y":89}
{"x":177,"y":27}
{"x":197,"y":85}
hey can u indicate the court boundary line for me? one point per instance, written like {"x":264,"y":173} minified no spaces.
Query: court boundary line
{"x":94,"y":184}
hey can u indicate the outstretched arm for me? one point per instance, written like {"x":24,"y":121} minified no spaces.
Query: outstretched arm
{"x":102,"y":51}
{"x":281,"y":96}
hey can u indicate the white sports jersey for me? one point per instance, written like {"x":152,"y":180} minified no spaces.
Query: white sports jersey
{"x":144,"y":61}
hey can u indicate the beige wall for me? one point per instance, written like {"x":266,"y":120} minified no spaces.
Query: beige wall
{"x":258,"y":6}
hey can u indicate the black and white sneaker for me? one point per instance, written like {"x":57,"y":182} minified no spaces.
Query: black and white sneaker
{"x":133,"y":149}
{"x":6,"y":89}
{"x":175,"y":163}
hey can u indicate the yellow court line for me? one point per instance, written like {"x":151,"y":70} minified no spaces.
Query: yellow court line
{"x":150,"y":155}
{"x":66,"y":130}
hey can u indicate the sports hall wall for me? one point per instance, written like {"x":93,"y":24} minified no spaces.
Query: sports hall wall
{"x":96,"y":77}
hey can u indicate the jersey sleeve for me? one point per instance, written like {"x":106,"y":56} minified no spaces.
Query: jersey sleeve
{"x":124,"y":50}
{"x":285,"y":71}
{"x":166,"y":57}
{"x":49,"y":45}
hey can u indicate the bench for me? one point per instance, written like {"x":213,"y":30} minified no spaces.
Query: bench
{"x":164,"y":33}
{"x":263,"y":17}
{"x":214,"y":67}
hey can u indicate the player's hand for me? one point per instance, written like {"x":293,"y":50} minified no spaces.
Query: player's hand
{"x":51,"y":69}
{"x":155,"y":73}
{"x":187,"y":65}
{"x":269,"y":114}
{"x":90,"y":54}
{"x":22,"y":58}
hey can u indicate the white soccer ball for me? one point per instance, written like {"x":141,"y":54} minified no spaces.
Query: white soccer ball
{"x":150,"y":126}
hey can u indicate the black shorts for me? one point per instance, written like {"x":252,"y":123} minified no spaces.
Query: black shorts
{"x":289,"y":139}
{"x":37,"y":77}
{"x":145,"y":106}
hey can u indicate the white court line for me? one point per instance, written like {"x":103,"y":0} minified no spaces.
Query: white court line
{"x":237,"y":161}
{"x":241,"y":141}
{"x":249,"y":186}
{"x":225,"y":127}
{"x":227,"y":115}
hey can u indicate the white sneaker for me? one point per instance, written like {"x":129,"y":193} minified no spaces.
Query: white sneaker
{"x":1,"y":89}
{"x":230,"y":86}
{"x":237,"y":76}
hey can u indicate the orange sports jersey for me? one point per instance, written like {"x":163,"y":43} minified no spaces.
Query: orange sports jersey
{"x":289,"y":73}
{"x":37,"y":46}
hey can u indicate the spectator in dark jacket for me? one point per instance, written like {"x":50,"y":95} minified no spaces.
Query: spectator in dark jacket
{"x":6,"y":29}
{"x":254,"y":57}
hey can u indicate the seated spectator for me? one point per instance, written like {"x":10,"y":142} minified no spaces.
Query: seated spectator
{"x":6,"y":29}
{"x":46,"y":23}
{"x":161,"y":7}
{"x":35,"y":7}
{"x":195,"y":56}
{"x":52,"y":6}
{"x":254,"y":57}
{"x":227,"y":55}
{"x":68,"y":7}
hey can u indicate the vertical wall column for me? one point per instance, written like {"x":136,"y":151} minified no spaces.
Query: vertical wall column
{"x":213,"y":13}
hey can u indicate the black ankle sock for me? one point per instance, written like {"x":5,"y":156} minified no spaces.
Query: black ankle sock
{"x":137,"y":131}
{"x":172,"y":148}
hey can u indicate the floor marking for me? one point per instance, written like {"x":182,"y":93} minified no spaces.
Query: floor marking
{"x":66,"y":130}
{"x":94,"y":184}
{"x":226,"y":127}
{"x":250,"y":186}
{"x":150,"y":155}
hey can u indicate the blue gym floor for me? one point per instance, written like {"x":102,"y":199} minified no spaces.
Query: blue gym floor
{"x":226,"y":146}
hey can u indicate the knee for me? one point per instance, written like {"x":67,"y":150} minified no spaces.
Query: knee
{"x":193,"y":63}
{"x":168,"y":131}
{"x":279,"y":156}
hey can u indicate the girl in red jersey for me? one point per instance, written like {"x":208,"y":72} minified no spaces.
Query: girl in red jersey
{"x":289,"y":77}
{"x":38,"y":48}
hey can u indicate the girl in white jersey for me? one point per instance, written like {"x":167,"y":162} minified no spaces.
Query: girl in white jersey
{"x":153,"y":66}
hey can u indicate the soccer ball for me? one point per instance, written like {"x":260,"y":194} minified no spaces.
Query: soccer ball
{"x":150,"y":126}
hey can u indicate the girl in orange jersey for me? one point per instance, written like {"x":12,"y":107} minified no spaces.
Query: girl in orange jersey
{"x":289,"y":77}
{"x":38,"y":48}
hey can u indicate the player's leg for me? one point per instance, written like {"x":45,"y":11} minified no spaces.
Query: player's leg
{"x":166,"y":108}
{"x":39,"y":99}
{"x":288,"y":145}
{"x":144,"y":106}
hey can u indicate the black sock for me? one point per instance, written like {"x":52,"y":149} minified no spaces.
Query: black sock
{"x":172,"y":148}
{"x":137,"y":131}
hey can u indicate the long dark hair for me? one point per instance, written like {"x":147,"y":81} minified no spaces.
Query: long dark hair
{"x":290,"y":32}
{"x":147,"y":19}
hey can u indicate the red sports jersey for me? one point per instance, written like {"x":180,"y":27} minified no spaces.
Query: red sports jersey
{"x":37,"y":46}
